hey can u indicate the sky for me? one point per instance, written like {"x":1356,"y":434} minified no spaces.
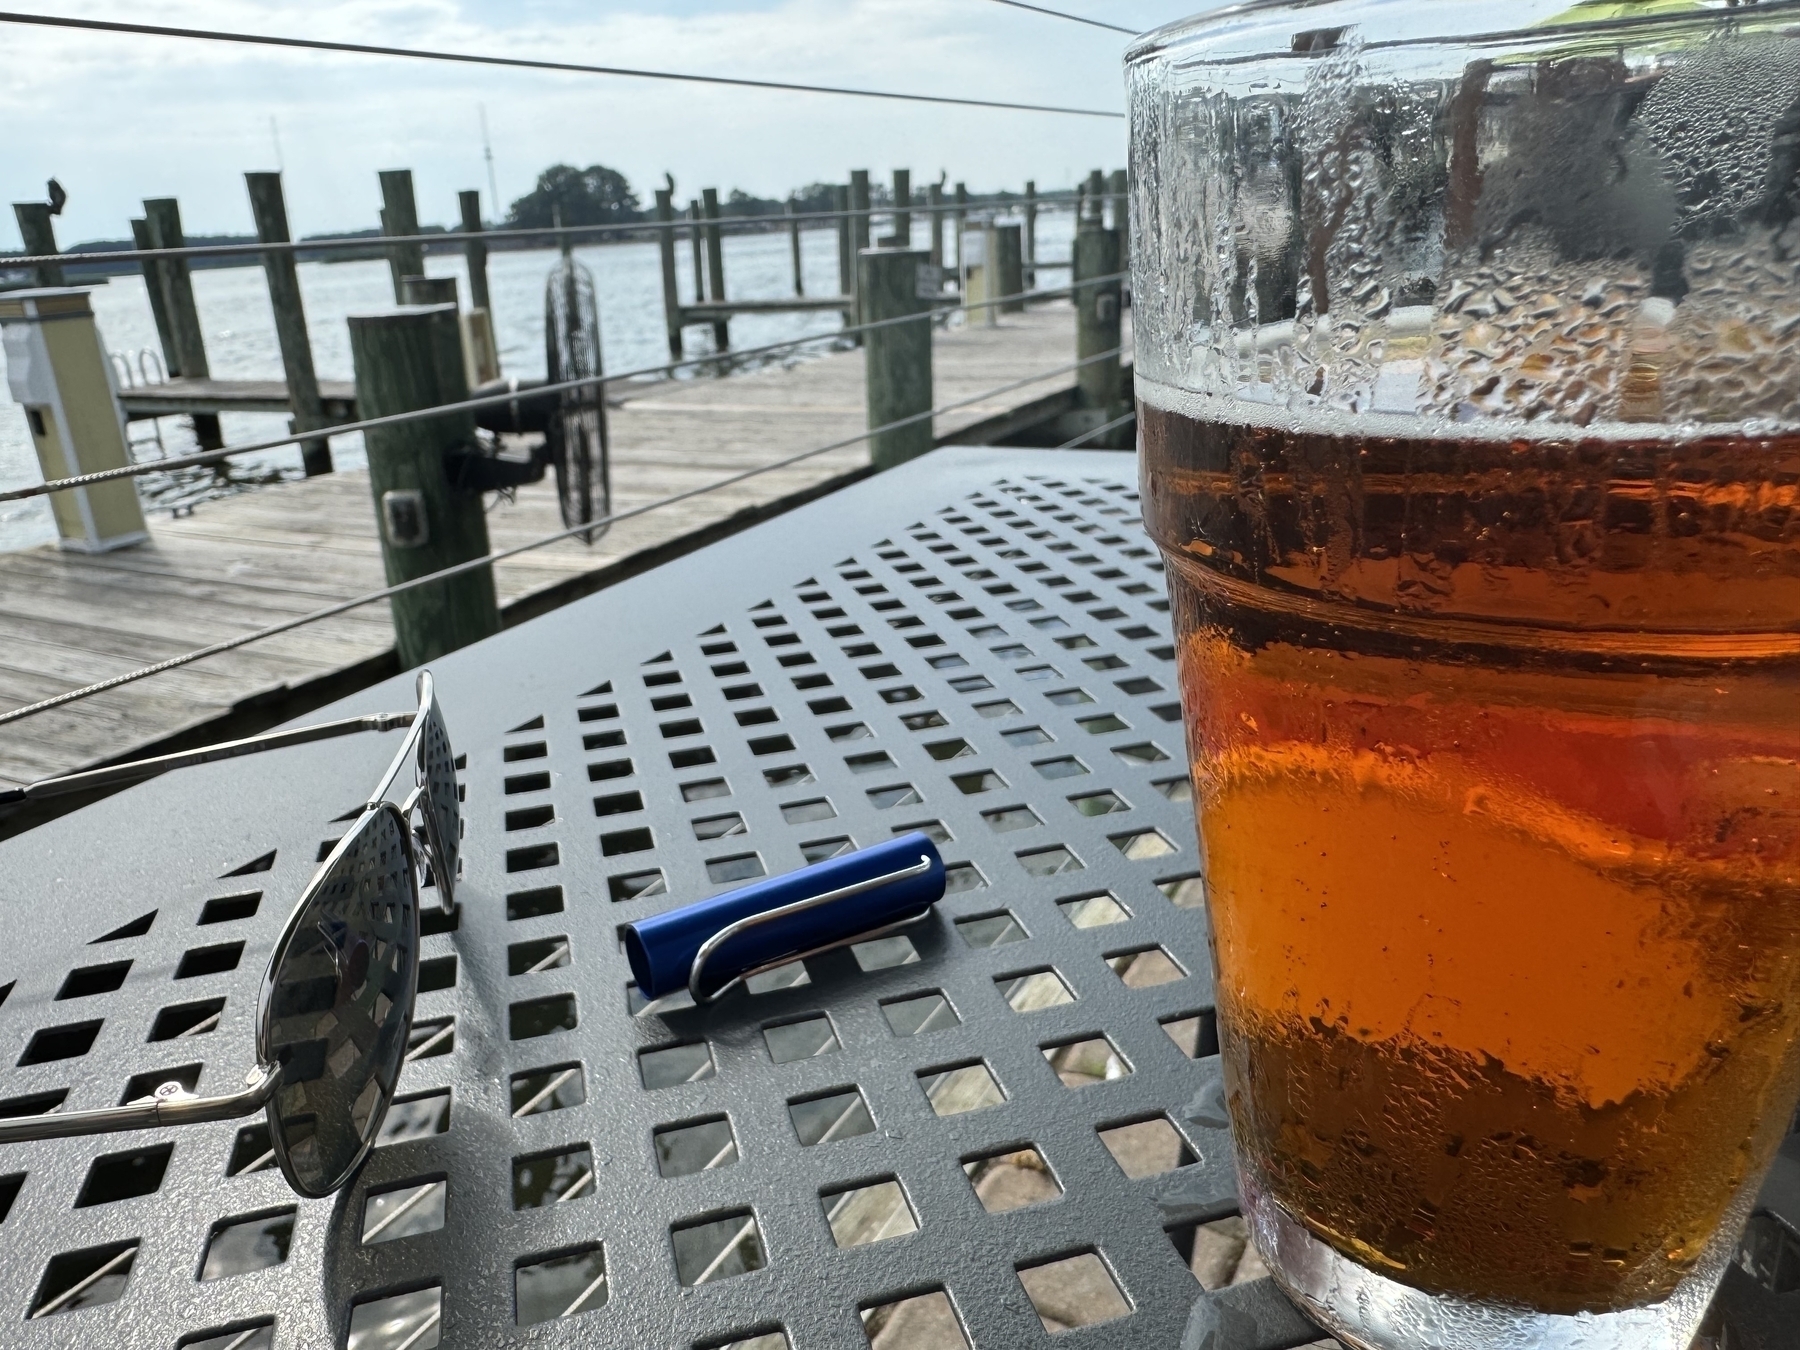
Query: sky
{"x":117,"y":118}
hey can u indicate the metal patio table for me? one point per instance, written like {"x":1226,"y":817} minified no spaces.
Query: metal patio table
{"x":977,"y":645}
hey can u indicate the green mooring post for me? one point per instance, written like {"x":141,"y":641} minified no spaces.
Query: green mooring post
{"x":269,"y":208}
{"x":671,"y":289}
{"x":405,"y":359}
{"x":897,"y":359}
{"x":1097,"y":321}
{"x":39,"y":234}
{"x":715,"y":266}
{"x":400,"y":217}
{"x":187,"y":357}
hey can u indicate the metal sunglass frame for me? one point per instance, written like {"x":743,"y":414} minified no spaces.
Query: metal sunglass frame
{"x":172,"y":1103}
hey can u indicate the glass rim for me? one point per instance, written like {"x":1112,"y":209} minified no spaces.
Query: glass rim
{"x":1161,"y":41}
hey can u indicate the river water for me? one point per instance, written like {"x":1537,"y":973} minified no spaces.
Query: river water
{"x":240,"y":338}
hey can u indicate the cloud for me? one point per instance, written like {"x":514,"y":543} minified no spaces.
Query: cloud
{"x":118,"y":118}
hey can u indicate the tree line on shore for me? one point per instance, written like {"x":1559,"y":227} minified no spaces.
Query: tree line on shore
{"x":598,"y":195}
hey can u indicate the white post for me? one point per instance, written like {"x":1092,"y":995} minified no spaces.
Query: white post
{"x":58,"y":368}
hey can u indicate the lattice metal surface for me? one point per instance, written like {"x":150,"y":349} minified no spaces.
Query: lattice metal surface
{"x":1003,"y":1124}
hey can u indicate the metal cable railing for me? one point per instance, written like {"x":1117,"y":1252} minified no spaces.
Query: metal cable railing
{"x":1072,"y":18}
{"x":1099,"y":431}
{"x":205,"y":457}
{"x":521,"y":62}
{"x":356,"y":602}
{"x":383,"y":242}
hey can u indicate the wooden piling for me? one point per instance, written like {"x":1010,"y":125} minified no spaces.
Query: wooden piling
{"x":699,"y":243}
{"x":405,"y":360}
{"x":153,"y":287}
{"x":1030,"y":242}
{"x":671,"y":289}
{"x":978,"y":273}
{"x":188,"y":358}
{"x":715,"y":265}
{"x":1119,"y":184}
{"x":793,"y":215}
{"x":474,"y":250}
{"x":959,"y":219}
{"x":859,"y":238}
{"x":39,"y":234}
{"x":1093,"y":198}
{"x":428,"y":290}
{"x":269,"y":208}
{"x":903,"y":207}
{"x":481,"y":349}
{"x":934,"y":202}
{"x":859,"y":204}
{"x":846,"y":248}
{"x":897,"y":359}
{"x":400,"y":217}
{"x":1097,"y":324}
{"x":1009,"y":268}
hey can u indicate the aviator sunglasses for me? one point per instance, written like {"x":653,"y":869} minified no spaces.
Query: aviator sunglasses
{"x":336,"y":1005}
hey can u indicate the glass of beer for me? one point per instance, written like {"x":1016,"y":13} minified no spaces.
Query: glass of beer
{"x":1468,"y":368}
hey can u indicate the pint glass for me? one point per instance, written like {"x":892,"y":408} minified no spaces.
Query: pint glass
{"x":1468,"y":373}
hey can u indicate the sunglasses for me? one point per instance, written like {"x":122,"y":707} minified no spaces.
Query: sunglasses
{"x":336,"y":1004}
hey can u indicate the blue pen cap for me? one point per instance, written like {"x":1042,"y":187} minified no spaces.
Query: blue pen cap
{"x":662,"y":949}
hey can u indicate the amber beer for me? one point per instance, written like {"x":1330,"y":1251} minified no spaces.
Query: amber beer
{"x":1496,"y":756}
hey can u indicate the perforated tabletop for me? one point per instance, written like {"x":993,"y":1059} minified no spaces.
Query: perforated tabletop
{"x":1003,"y":1125}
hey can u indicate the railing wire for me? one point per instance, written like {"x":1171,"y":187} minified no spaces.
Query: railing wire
{"x":1098,"y":431}
{"x":519,"y":62}
{"x":488,"y":560}
{"x":1072,"y":18}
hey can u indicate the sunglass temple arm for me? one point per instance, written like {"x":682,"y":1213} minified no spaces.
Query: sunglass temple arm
{"x":171,"y":1104}
{"x":150,"y":768}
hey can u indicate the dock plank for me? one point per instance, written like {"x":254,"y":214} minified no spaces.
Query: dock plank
{"x":240,"y":563}
{"x":185,"y":395}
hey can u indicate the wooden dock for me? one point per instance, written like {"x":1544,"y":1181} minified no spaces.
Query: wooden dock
{"x":241,"y":563}
{"x":183,"y":395}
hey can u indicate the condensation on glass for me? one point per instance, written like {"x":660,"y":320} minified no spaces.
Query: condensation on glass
{"x":1467,"y":344}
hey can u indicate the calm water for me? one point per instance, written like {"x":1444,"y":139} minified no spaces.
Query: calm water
{"x":240,"y":337}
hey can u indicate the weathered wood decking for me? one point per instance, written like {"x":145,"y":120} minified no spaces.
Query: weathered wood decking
{"x":222,"y":396}
{"x":243,"y":563}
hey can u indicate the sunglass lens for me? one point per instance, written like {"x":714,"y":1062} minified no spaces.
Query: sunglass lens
{"x":440,"y":795}
{"x":338,"y":1004}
